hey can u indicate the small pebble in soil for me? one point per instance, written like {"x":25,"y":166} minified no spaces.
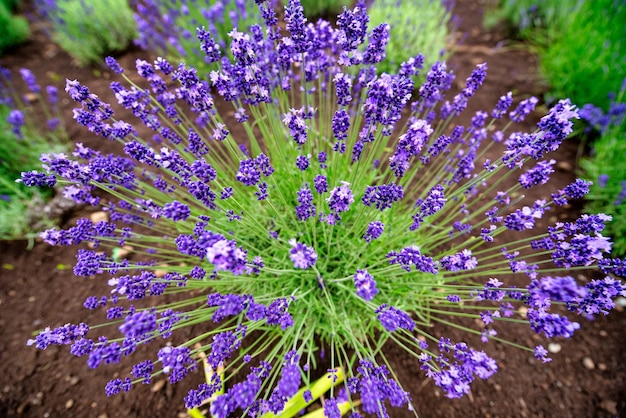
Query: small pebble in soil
{"x":69,"y":403}
{"x":158,"y":385}
{"x":603,"y":333}
{"x":564,"y":165}
{"x":99,"y":216}
{"x":602,"y":366}
{"x":609,"y":406}
{"x":554,"y":348}
{"x":31,"y":299}
{"x":523,"y":311}
{"x":588,"y":363}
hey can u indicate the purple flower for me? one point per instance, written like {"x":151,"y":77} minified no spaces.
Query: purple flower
{"x":523,"y":218}
{"x":365,"y":285}
{"x":412,"y":256}
{"x":538,"y":175}
{"x":460,"y":261}
{"x":296,"y":25}
{"x":374,"y":230}
{"x":113,"y":65}
{"x":248,"y":173}
{"x":502,"y":106}
{"x":542,"y":354}
{"x":321,"y":184}
{"x":599,"y":295}
{"x":228,"y":305}
{"x":16,"y":120}
{"x":196,"y":397}
{"x":116,"y":386}
{"x":341,"y":198}
{"x":331,"y":410}
{"x":176,"y":211}
{"x":374,"y":386}
{"x":305,"y":208}
{"x":225,"y":255}
{"x":434,"y":202}
{"x":294,"y":120}
{"x":224,"y":344}
{"x":393,"y":319}
{"x":177,"y":362}
{"x":30,"y":80}
{"x":382,"y":196}
{"x":379,"y":38}
{"x":343,"y":88}
{"x":36,"y":179}
{"x":63,"y":335}
{"x":207,"y":45}
{"x":302,"y":256}
{"x":138,"y":324}
{"x":340,"y":124}
{"x":523,"y":109}
{"x":352,"y":28}
{"x":302,"y":162}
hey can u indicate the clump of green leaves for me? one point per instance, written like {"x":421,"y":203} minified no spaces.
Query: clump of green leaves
{"x":168,"y":27}
{"x":415,"y":25}
{"x":531,"y":19}
{"x":14,"y":28}
{"x":606,"y":169}
{"x":329,"y":8}
{"x":581,"y":44}
{"x":89,"y":31}
{"x":587,"y":60}
{"x":28,"y":129}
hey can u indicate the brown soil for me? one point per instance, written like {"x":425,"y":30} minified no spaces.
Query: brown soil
{"x":586,"y":379}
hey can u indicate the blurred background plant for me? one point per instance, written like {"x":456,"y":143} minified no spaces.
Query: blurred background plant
{"x":415,"y":25}
{"x":89,"y":30}
{"x":581,"y":44}
{"x":327,"y":8}
{"x":24,"y":136}
{"x":14,"y":28}
{"x":531,"y":19}
{"x":605,"y":166}
{"x":168,"y":28}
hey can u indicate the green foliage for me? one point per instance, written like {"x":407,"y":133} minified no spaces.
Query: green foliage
{"x":588,"y":58}
{"x":326,"y":8}
{"x":14,"y":28}
{"x":606,"y":169}
{"x":416,"y":26}
{"x":533,"y":19}
{"x":9,"y":4}
{"x":168,"y":27}
{"x":581,"y":44}
{"x":89,"y":31}
{"x":39,"y":131}
{"x":17,"y":155}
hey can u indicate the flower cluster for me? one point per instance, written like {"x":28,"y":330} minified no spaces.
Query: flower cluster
{"x":320,"y":217}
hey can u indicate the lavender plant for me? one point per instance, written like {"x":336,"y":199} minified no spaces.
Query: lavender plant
{"x":605,"y":168}
{"x":335,"y":211}
{"x":315,"y":8}
{"x":29,"y":126}
{"x":424,"y":25}
{"x":14,"y":28}
{"x":89,"y":31}
{"x":168,"y":27}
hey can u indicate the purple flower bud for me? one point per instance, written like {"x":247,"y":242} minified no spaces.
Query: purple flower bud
{"x":341,"y":198}
{"x":365,"y":285}
{"x":302,"y":256}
